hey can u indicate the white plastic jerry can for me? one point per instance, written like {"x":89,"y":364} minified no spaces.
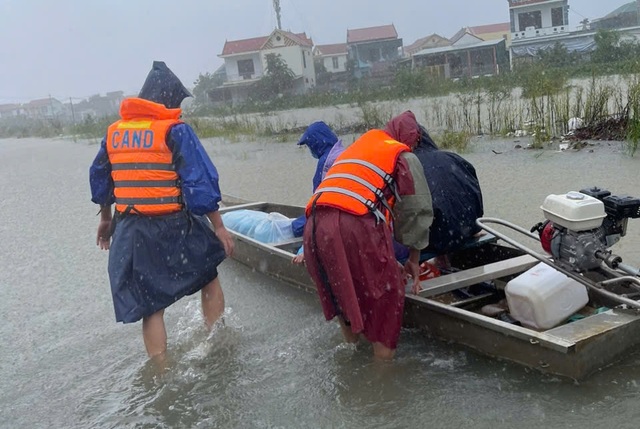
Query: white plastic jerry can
{"x":542,"y":297}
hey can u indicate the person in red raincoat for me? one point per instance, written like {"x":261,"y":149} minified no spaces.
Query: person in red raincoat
{"x":348,"y":235}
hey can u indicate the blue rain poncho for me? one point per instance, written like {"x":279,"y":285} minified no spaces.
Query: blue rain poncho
{"x":156,"y":260}
{"x":325,"y":146}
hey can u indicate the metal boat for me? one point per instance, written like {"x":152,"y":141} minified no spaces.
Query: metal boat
{"x":452,"y":306}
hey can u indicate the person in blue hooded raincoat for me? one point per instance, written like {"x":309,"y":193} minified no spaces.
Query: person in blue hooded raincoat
{"x":166,"y":237}
{"x":455,"y":193}
{"x":325,"y":146}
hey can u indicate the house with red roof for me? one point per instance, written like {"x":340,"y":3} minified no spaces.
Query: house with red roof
{"x":245,"y":63}
{"x":373,"y":49}
{"x":333,"y":57}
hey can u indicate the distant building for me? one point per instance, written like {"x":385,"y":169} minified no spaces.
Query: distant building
{"x":535,"y":18}
{"x":469,"y":57}
{"x":373,"y":50}
{"x":539,"y":24}
{"x":11,"y":111}
{"x":98,"y":106}
{"x":432,"y":41}
{"x":465,"y":37}
{"x":487,"y":32}
{"x":333,"y":57}
{"x":46,"y":108}
{"x":245,"y":63}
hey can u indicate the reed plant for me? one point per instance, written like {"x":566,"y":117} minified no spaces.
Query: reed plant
{"x":374,"y":115}
{"x":454,"y":140}
{"x":633,"y":125}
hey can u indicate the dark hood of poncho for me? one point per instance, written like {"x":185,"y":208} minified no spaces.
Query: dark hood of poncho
{"x":163,"y":87}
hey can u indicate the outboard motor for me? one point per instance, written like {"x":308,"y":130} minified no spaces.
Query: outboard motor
{"x":581,"y":226}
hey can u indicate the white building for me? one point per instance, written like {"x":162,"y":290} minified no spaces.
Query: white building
{"x":246,"y":61}
{"x":333,"y":57}
{"x":536,"y":18}
{"x":537,"y":25}
{"x":11,"y":111}
{"x":46,"y":108}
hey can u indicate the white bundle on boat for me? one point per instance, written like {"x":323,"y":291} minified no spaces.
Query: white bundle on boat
{"x":264,"y":227}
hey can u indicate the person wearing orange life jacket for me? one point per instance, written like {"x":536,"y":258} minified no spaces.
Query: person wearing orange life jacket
{"x":348,"y":238}
{"x":163,"y":183}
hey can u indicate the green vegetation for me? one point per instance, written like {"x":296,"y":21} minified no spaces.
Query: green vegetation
{"x":203,"y":85}
{"x":23,"y":127}
{"x":454,"y":140}
{"x":277,"y":80}
{"x":538,"y":96}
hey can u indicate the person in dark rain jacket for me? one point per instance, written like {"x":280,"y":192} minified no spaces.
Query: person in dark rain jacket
{"x":164,"y":186}
{"x":455,"y":194}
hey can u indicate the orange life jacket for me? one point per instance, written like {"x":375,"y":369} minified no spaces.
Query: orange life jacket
{"x":357,"y":179}
{"x":144,"y":177}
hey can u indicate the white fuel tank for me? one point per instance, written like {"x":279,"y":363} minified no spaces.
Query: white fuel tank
{"x":542,"y":297}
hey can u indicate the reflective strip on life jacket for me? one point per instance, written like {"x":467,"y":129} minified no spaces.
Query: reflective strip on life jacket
{"x":377,"y":191}
{"x":386,"y":177}
{"x":368,"y":203}
{"x":364,"y":169}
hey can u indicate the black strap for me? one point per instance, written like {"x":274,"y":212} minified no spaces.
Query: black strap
{"x":142,"y":166}
{"x":148,"y":201}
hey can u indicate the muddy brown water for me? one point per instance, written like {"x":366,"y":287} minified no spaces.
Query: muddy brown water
{"x":65,"y":363}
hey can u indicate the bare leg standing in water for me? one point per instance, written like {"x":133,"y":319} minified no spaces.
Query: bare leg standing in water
{"x":155,"y":335}
{"x":382,"y":352}
{"x":212,"y":303}
{"x":347,"y":333}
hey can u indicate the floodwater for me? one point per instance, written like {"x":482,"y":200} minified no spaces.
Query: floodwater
{"x":65,"y":363}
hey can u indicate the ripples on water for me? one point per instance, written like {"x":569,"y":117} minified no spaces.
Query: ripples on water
{"x":276,"y":362}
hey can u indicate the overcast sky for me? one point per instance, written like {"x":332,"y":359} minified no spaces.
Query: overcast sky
{"x":76,"y":48}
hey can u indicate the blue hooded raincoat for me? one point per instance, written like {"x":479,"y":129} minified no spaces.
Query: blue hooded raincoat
{"x":156,"y":260}
{"x":325,"y":146}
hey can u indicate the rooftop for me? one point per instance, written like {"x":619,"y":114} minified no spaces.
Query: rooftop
{"x":435,"y":38}
{"x":479,"y":30}
{"x":333,"y":49}
{"x":369,"y":34}
{"x":232,"y":47}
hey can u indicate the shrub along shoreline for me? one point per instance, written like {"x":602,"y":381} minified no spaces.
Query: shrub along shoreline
{"x":538,"y":99}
